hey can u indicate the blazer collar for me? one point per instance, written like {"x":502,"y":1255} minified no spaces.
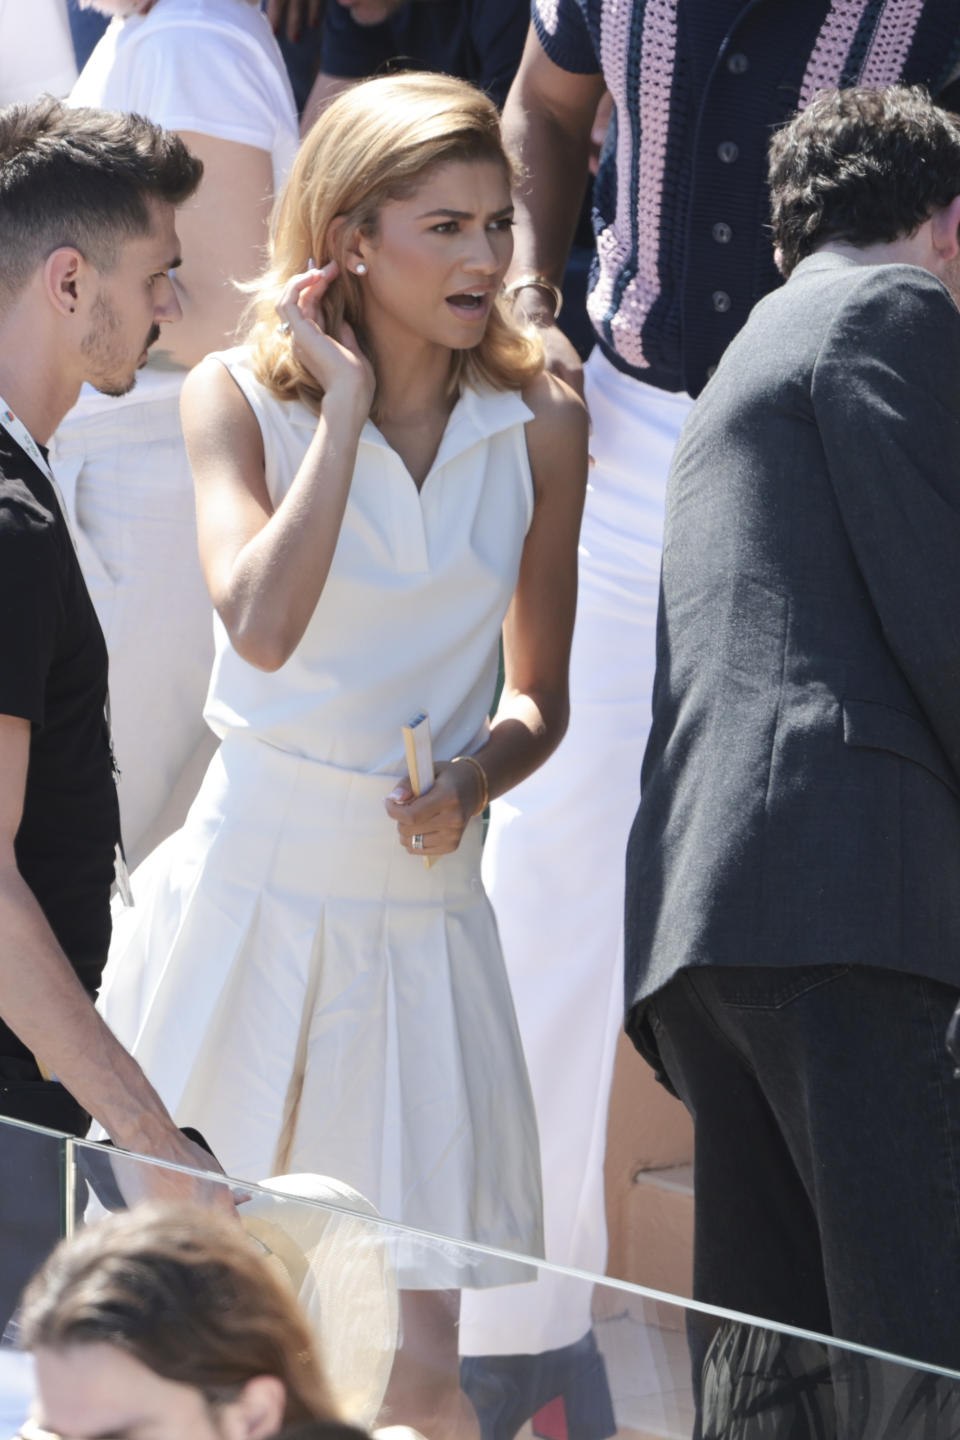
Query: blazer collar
{"x":822,"y":260}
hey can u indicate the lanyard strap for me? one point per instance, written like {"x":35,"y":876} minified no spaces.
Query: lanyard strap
{"x":21,"y":436}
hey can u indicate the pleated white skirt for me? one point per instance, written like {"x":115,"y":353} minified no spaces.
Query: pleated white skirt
{"x":313,"y":999}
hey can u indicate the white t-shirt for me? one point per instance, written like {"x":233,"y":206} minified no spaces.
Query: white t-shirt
{"x":210,"y":66}
{"x":36,"y":52}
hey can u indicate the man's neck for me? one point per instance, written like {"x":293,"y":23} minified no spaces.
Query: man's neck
{"x":912,"y":249}
{"x":34,"y":390}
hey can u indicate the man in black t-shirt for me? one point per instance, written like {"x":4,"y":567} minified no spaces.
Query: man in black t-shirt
{"x":53,"y":676}
{"x":87,"y":241}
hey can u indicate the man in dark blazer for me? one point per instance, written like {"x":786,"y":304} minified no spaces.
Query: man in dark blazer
{"x":793,"y":873}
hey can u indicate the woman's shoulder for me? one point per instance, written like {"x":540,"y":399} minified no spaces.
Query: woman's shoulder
{"x":556,"y":439}
{"x":224,"y":389}
{"x":231,"y":381}
{"x":545,"y":399}
{"x":560,"y":419}
{"x":223,"y":369}
{"x":231,"y":357}
{"x":551,"y":399}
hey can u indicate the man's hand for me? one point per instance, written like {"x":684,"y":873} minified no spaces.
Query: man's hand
{"x":562,"y":358}
{"x":547,"y":122}
{"x":160,"y":1139}
{"x":296,"y":14}
{"x":138,"y":1179}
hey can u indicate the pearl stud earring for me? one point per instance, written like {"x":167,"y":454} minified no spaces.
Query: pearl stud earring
{"x":361,"y":269}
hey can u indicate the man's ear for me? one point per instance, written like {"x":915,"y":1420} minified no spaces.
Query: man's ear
{"x":257,"y":1411}
{"x":64,"y":275}
{"x":945,"y":230}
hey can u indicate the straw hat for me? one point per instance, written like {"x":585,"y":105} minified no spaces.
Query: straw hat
{"x":338,"y":1263}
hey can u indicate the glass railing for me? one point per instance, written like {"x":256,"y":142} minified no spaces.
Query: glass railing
{"x":354,"y":1271}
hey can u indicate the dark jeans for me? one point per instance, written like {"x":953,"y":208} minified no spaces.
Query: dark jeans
{"x":827,"y":1148}
{"x":31,"y":1180}
{"x":769,"y":1385}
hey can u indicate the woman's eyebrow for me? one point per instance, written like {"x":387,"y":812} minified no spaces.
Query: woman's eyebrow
{"x":463,"y":214}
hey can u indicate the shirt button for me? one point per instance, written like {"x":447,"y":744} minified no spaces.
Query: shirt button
{"x":722,"y":233}
{"x":737,"y":63}
{"x":721,"y":301}
{"x":728,"y":151}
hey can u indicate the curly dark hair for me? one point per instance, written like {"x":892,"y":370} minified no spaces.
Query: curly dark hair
{"x":860,"y":165}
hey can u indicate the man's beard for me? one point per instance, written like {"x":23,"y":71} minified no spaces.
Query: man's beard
{"x":103,"y":348}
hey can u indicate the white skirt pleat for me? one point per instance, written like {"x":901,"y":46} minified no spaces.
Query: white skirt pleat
{"x":313,"y":999}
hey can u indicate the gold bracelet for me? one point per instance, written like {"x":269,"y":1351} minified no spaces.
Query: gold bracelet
{"x":536,"y":282}
{"x":484,"y":783}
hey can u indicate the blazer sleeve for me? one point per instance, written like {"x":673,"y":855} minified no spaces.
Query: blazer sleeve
{"x":886,"y":399}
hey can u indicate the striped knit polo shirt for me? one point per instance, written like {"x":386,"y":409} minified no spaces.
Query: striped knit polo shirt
{"x":680,"y":202}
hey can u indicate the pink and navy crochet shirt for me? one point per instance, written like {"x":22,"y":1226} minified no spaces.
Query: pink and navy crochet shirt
{"x":680,"y":203}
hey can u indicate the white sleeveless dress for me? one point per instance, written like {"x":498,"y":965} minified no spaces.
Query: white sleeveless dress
{"x":293,"y":982}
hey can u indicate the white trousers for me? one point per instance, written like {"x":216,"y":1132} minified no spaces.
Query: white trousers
{"x":554,"y":861}
{"x":127,"y":484}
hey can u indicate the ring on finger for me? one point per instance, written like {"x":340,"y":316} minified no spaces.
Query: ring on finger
{"x":284,"y":327}
{"x":417,"y":842}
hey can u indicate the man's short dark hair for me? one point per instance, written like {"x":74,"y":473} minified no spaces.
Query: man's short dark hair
{"x":83,"y":178}
{"x":862,"y":165}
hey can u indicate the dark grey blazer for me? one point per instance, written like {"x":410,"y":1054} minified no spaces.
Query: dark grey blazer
{"x":801,"y":785}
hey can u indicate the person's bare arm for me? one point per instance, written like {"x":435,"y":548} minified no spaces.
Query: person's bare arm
{"x":266,"y":568}
{"x":48,"y":1009}
{"x":324,"y":89}
{"x":223,"y":232}
{"x":547,"y":121}
{"x":534,"y":705}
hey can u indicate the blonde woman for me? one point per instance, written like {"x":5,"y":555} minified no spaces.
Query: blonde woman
{"x":385,"y":477}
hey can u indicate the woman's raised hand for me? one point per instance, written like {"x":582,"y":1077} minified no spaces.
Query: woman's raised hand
{"x":335,"y":361}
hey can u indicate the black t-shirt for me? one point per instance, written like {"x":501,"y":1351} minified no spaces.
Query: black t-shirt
{"x":476,"y":40}
{"x":53,"y":672}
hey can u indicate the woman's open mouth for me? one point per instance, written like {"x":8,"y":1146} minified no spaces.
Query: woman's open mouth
{"x":470,"y":304}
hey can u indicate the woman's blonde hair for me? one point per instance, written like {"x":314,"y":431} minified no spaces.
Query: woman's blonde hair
{"x":184,"y":1292}
{"x":377,"y":142}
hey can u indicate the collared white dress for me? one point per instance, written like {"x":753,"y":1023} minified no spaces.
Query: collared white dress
{"x":295,"y":983}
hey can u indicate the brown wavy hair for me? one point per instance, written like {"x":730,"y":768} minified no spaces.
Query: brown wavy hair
{"x":378,"y":142}
{"x":185,"y":1293}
